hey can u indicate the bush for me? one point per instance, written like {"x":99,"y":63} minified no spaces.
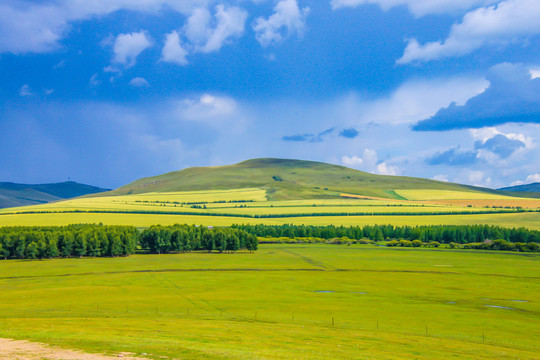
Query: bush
{"x":405,"y":243}
{"x":392,"y":243}
{"x":416,"y":243}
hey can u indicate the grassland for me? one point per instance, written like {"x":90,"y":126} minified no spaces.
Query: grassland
{"x":226,"y":207}
{"x":279,"y":303}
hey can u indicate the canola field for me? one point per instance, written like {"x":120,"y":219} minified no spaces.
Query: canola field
{"x":226,"y":207}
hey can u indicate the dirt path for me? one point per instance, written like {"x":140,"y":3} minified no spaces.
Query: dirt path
{"x":25,"y":350}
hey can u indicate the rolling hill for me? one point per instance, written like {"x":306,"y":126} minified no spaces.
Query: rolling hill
{"x":285,"y":179}
{"x":13,"y":194}
{"x":533,"y":187}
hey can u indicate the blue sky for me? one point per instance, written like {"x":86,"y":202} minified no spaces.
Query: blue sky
{"x":108,"y":91}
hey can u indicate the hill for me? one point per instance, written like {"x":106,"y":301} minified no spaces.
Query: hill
{"x":13,"y":194}
{"x":285,"y":179}
{"x":534,"y":187}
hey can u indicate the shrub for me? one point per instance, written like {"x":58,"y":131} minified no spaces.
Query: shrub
{"x":416,"y":243}
{"x":405,"y":243}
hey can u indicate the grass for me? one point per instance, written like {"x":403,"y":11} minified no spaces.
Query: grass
{"x":297,"y":180}
{"x":279,"y":303}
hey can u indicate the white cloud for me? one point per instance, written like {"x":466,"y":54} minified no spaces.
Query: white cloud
{"x":369,"y":162}
{"x":506,"y":22}
{"x":48,"y":91}
{"x":533,"y":178}
{"x":419,"y":99}
{"x":128,"y":46}
{"x":441,"y":177}
{"x":417,"y":7}
{"x":478,"y":178}
{"x":209,"y":34}
{"x":173,"y":51}
{"x":32,"y":26}
{"x":287,"y":19}
{"x":352,"y":161}
{"x":484,"y":134}
{"x":206,"y":108}
{"x":25,"y":90}
{"x":139,"y":82}
{"x":535,"y":73}
{"x":385,"y":169}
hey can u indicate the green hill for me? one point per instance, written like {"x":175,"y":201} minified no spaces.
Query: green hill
{"x":531,"y":188}
{"x":287,"y":179}
{"x":12,"y":194}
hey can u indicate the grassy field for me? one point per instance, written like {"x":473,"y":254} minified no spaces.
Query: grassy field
{"x":280,"y":302}
{"x":227,"y":207}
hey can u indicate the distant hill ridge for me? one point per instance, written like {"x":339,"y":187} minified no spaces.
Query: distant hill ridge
{"x":533,"y":187}
{"x":13,"y":194}
{"x":287,"y":179}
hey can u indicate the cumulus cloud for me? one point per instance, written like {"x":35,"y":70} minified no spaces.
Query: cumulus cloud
{"x":127,"y":47}
{"x":417,"y":7}
{"x":208,"y":34}
{"x":204,"y":33}
{"x":506,"y":22}
{"x":500,"y":145}
{"x":139,"y":82}
{"x":512,"y":96}
{"x":286,"y":20}
{"x":453,"y":157}
{"x":173,"y":51}
{"x":25,"y":90}
{"x":533,"y":178}
{"x":369,"y":162}
{"x":38,"y":26}
{"x":418,"y":99}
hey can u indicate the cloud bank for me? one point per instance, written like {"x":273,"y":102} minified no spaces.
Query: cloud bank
{"x":512,"y":97}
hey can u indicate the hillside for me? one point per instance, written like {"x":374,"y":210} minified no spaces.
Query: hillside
{"x":534,"y":187}
{"x":285,"y":179}
{"x":12,"y":194}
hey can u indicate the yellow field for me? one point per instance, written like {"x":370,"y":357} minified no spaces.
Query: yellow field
{"x":529,"y":220}
{"x":226,"y":207}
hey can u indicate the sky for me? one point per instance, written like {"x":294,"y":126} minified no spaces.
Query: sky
{"x":108,"y":91}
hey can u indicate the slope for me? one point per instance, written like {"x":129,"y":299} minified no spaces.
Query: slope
{"x":13,"y":194}
{"x":285,"y":179}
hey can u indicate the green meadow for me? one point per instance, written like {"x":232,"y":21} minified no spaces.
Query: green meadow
{"x":282,"y":302}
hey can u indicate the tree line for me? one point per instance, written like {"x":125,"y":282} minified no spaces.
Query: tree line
{"x":66,"y":241}
{"x":40,"y":242}
{"x":445,"y":234}
{"x":184,"y":238}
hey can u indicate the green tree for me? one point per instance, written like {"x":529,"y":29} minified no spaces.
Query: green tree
{"x":31,"y":250}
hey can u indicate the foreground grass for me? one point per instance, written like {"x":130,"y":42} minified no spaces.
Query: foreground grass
{"x":279,"y":303}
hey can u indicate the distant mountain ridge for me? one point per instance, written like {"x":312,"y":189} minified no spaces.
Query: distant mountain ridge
{"x":13,"y":194}
{"x":533,"y":187}
{"x":287,"y":179}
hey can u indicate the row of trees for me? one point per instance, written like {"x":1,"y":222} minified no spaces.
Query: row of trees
{"x":184,"y":238}
{"x":445,"y":234}
{"x":67,"y":241}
